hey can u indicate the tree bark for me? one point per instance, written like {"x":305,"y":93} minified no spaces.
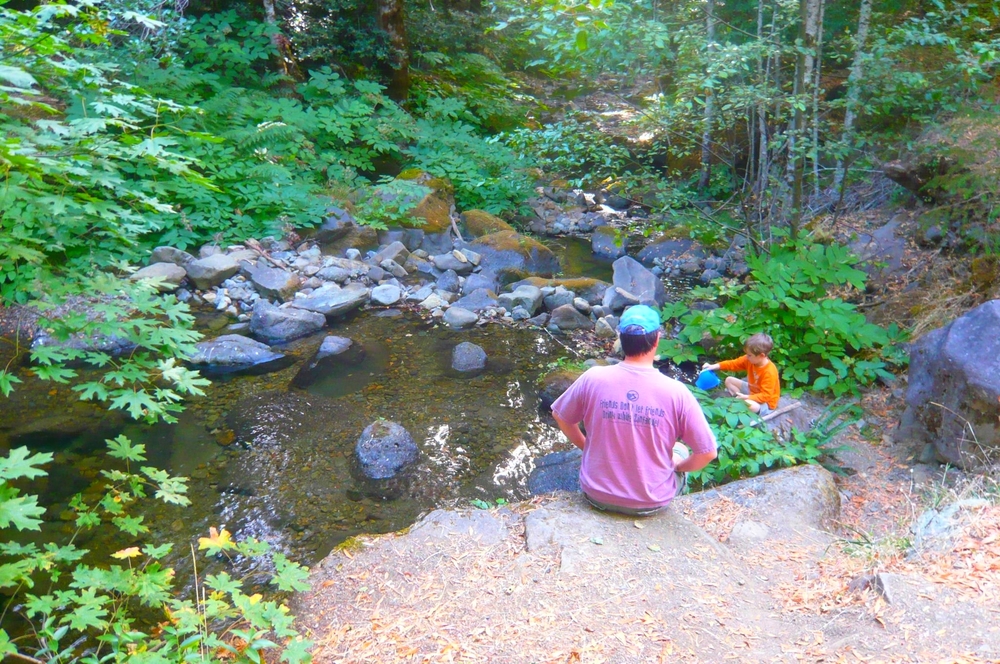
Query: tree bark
{"x":817,"y":87}
{"x":854,"y":86}
{"x":706,"y":135}
{"x":390,"y":21}
{"x":286,"y":59}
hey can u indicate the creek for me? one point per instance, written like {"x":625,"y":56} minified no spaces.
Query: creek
{"x":269,"y":456}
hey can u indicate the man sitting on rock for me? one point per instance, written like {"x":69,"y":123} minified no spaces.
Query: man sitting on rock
{"x":634,"y":417}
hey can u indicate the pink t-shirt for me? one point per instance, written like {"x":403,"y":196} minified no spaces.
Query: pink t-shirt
{"x":633,"y":416}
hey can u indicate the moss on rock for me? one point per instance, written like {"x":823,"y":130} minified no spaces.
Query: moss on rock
{"x":480,"y":223}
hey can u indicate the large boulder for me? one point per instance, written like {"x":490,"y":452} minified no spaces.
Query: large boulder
{"x":552,"y":385}
{"x":467,"y":357}
{"x":338,"y":224}
{"x":527,"y":296}
{"x":332,"y":301}
{"x":954,"y":386}
{"x":275,"y":325}
{"x":508,"y":253}
{"x":567,"y":318}
{"x":668,"y":250}
{"x":430,"y":200}
{"x":275,"y":283}
{"x":211,"y":271}
{"x":633,"y":278}
{"x":882,"y":251}
{"x":556,"y":471}
{"x":479,"y":223}
{"x":381,"y":455}
{"x":170,"y":255}
{"x":606,"y":242}
{"x":168,"y":276}
{"x":233,"y":353}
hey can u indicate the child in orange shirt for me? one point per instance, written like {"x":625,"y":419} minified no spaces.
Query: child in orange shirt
{"x":761,"y":390}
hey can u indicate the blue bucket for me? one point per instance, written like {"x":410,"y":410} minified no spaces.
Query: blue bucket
{"x":707,"y":380}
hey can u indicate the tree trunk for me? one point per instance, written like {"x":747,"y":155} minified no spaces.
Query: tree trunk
{"x":706,"y":135}
{"x":796,"y":168}
{"x":817,"y":71}
{"x":286,"y":59}
{"x":390,"y":21}
{"x":854,"y":86}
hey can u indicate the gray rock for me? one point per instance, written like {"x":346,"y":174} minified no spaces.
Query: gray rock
{"x":234,"y":352}
{"x":482,"y":527}
{"x":168,"y":275}
{"x":396,"y":252}
{"x":708,"y":276}
{"x":616,"y":299}
{"x":632,"y":277}
{"x":567,"y":318}
{"x":449,"y":281}
{"x":338,"y":224}
{"x":453,"y":261}
{"x":459,"y":318}
{"x":467,"y":356}
{"x":480,"y":280}
{"x":667,"y":251}
{"x":478,"y":300}
{"x":386,"y":294}
{"x":376,"y":274}
{"x":527,"y":297}
{"x":557,"y":471}
{"x":954,"y":380}
{"x":605,"y":242}
{"x":394,"y":268}
{"x":333,"y":345}
{"x":559,"y":297}
{"x":433,"y":301}
{"x":333,"y":273}
{"x":881,"y":252}
{"x":436,"y":243}
{"x":352,"y":254}
{"x":209,"y":272}
{"x":384,"y":450}
{"x":332,"y":301}
{"x":582,"y":305}
{"x":209,"y":250}
{"x":275,"y":283}
{"x":274,"y":325}
{"x":520,"y":313}
{"x":606,"y":327}
{"x":170,"y":255}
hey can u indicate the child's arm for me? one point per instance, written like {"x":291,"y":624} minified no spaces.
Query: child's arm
{"x":709,"y":367}
{"x":737,"y":365}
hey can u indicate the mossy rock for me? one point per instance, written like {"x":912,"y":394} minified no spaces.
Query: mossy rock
{"x":440,"y":185}
{"x":432,"y":200}
{"x":508,"y":252}
{"x":552,"y":385}
{"x":590,"y":289}
{"x":480,"y":223}
{"x":985,"y":274}
{"x":431,"y":215}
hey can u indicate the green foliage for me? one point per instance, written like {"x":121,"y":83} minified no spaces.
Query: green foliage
{"x":747,"y":448}
{"x":573,"y":148}
{"x":487,"y":175}
{"x":480,"y":504}
{"x":820,"y":340}
{"x":89,"y":612}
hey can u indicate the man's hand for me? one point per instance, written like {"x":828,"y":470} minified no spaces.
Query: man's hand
{"x":572,"y":430}
{"x":696,"y":462}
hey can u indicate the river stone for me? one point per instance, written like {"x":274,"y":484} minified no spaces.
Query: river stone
{"x":558,"y":298}
{"x":396,"y":252}
{"x":478,"y":300}
{"x":433,"y":301}
{"x":169,"y":275}
{"x":449,"y":281}
{"x":591,"y":290}
{"x":273,"y":325}
{"x":394,"y":268}
{"x":234,"y":352}
{"x":209,"y":272}
{"x":459,"y":318}
{"x":954,"y":380}
{"x":528,"y":297}
{"x":508,"y":252}
{"x":479,"y":223}
{"x":453,"y":260}
{"x":333,"y":273}
{"x":275,"y":283}
{"x":467,"y":356}
{"x":552,"y":385}
{"x":337,"y":224}
{"x":557,"y":471}
{"x":632,"y":277}
{"x":881,"y":252}
{"x":605,"y":328}
{"x":333,"y":345}
{"x":606,"y":242}
{"x":478,"y":280}
{"x":666,"y":251}
{"x":384,"y":450}
{"x":567,"y":318}
{"x":386,"y":294}
{"x":170,"y":255}
{"x":332,"y":301}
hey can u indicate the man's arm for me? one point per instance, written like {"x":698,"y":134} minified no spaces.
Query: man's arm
{"x":696,"y":462}
{"x":572,"y":431}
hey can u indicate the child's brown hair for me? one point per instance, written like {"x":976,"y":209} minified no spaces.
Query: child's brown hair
{"x":759,"y":344}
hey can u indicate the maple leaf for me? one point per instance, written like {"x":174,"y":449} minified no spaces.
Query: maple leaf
{"x":216,"y":541}
{"x":130,"y":552}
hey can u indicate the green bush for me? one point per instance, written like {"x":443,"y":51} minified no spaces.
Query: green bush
{"x":89,"y":611}
{"x":820,"y":340}
{"x":747,"y":448}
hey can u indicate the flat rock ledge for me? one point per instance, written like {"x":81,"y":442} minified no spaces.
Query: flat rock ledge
{"x":552,"y":579}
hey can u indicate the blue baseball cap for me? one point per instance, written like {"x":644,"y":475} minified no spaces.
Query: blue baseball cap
{"x":645,"y":317}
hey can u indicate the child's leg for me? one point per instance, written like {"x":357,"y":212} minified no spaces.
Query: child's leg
{"x":735,"y":385}
{"x":753,"y":406}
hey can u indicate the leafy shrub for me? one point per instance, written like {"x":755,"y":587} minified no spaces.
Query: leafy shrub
{"x":820,"y":340}
{"x":746,"y":448}
{"x":87,"y":612}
